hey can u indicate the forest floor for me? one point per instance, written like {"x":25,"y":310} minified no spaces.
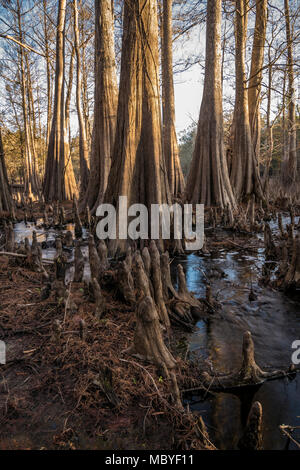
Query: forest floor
{"x":54,"y":393}
{"x":48,"y":397}
{"x":49,"y":394}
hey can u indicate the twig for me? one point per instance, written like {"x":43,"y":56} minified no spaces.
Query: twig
{"x":283,"y":428}
{"x":141,"y":367}
{"x":25,"y":46}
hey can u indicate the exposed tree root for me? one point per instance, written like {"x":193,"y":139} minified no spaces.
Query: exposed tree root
{"x":252,"y":436}
{"x":250,"y":374}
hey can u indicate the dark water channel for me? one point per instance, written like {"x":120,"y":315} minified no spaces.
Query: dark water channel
{"x":274,"y":322}
{"x":273,"y":319}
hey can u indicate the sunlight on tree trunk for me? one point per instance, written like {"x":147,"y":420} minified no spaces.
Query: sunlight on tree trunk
{"x":83,"y":143}
{"x":244,"y":174}
{"x":289,"y":165}
{"x":59,"y":181}
{"x":105,"y":106}
{"x":208,"y":181}
{"x":170,"y":145}
{"x":31,"y":179}
{"x":257,"y":60}
{"x":138,"y":168}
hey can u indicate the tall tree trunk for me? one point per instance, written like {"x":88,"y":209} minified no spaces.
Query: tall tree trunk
{"x":208,"y":181}
{"x":48,"y":71}
{"x":244,"y":174}
{"x":67,"y":133}
{"x":6,"y":201}
{"x":32,"y":123}
{"x":69,"y":84}
{"x":289,"y":167}
{"x":285,"y":137}
{"x":170,"y":145}
{"x":84,"y":72}
{"x":31,"y":182}
{"x":83,"y":143}
{"x":19,"y":127}
{"x":105,"y":107}
{"x":269,"y":128}
{"x":59,"y":181}
{"x":257,"y":60}
{"x":138,"y":168}
{"x":85,"y":98}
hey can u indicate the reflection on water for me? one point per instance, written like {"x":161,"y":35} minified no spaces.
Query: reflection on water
{"x":274,"y":321}
{"x":23,"y":231}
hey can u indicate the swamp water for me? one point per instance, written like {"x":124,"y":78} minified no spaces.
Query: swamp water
{"x":273,"y":320}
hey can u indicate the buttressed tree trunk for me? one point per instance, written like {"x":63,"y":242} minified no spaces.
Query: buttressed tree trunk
{"x":59,"y":181}
{"x":170,"y":145}
{"x":6,"y":202}
{"x":105,"y":107}
{"x":289,"y":166}
{"x":244,"y":174}
{"x":254,"y":92}
{"x":138,"y":168}
{"x":83,"y":142}
{"x":138,"y":149}
{"x":208,"y":181}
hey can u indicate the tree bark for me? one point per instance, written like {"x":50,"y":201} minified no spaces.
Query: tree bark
{"x":289,"y":166}
{"x":67,"y":129}
{"x":32,"y":125}
{"x":48,"y":71}
{"x":138,"y":168}
{"x":170,"y":145}
{"x":59,"y":181}
{"x":269,"y":129}
{"x":31,"y":182}
{"x":6,"y":201}
{"x":83,"y":143}
{"x":105,"y":108}
{"x":253,"y":434}
{"x":208,"y":180}
{"x":244,"y":175}
{"x":257,"y":60}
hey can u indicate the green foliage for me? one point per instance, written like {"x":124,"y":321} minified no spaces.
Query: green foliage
{"x":74,"y":147}
{"x":13,"y":151}
{"x":13,"y":143}
{"x":277,"y":145}
{"x":186,"y":147}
